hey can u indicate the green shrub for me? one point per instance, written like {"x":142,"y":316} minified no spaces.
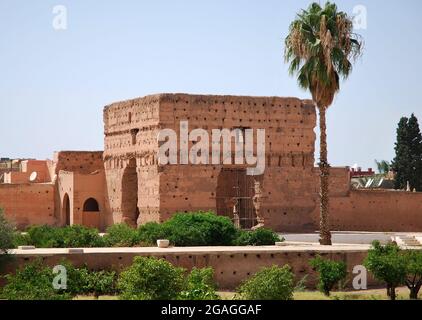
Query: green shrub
{"x":80,"y":237}
{"x":81,"y":281}
{"x":200,"y":285}
{"x":102,"y":283}
{"x":21,"y":239}
{"x":43,"y":236}
{"x":387,"y":264}
{"x":274,"y":283}
{"x":192,"y":229}
{"x":149,"y":233}
{"x":183,"y":229}
{"x":32,"y":282}
{"x":330,"y":273}
{"x":40,"y":236}
{"x":259,"y":237}
{"x":7,"y":235}
{"x":67,"y":237}
{"x":201,"y":229}
{"x":121,"y":235}
{"x":7,"y":231}
{"x":151,"y":279}
{"x":77,"y":279}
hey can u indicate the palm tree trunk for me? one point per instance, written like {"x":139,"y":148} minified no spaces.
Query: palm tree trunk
{"x":324,"y":167}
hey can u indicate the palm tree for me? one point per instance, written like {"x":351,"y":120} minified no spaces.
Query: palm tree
{"x":384,"y":167}
{"x":319,"y":48}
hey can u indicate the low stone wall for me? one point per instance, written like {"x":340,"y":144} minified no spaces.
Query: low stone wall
{"x":232,"y":265}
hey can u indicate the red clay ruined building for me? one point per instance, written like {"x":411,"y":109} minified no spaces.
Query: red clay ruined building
{"x":127,"y":182}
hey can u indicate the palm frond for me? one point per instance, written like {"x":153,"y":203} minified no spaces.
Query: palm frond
{"x":320,"y":48}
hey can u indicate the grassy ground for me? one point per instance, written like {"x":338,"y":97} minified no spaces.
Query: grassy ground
{"x":402,"y":294}
{"x":379,"y":294}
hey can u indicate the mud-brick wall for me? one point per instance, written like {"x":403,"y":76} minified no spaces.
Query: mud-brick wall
{"x":89,"y":186}
{"x":28,"y":204}
{"x":377,"y":210}
{"x":84,"y":162}
{"x":230,"y":268}
{"x":288,"y":122}
{"x":129,"y":127}
{"x":187,"y":188}
{"x":289,"y":199}
{"x":130,"y":158}
{"x":288,"y":181}
{"x":148,"y":194}
{"x":130,"y":184}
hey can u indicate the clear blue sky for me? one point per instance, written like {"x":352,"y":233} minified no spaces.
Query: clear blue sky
{"x":54,"y":84}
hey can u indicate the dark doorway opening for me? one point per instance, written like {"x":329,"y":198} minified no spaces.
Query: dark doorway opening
{"x":130,"y":211}
{"x":91,"y":205}
{"x":66,"y":209}
{"x":234,"y":185}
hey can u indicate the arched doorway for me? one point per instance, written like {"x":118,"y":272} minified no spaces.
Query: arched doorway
{"x":66,"y":210}
{"x":130,"y":211}
{"x":91,"y":215}
{"x":91,"y":205}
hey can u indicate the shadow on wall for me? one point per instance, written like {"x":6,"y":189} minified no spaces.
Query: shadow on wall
{"x":130,"y":211}
{"x":66,"y":209}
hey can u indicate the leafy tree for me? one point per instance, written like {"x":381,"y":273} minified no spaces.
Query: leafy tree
{"x":101,"y":283}
{"x":82,"y":281}
{"x":387,"y":264}
{"x":7,"y":231}
{"x":200,"y":285}
{"x":319,"y":47}
{"x":330,"y":273}
{"x":43,"y":236}
{"x":414,"y":272}
{"x":151,"y":279}
{"x":273,"y":283}
{"x":150,"y":232}
{"x":33,"y":281}
{"x":408,"y":161}
{"x":7,"y":239}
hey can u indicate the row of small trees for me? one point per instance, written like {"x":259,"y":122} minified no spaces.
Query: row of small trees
{"x":389,"y":264}
{"x":146,"y":279}
{"x":396,"y":267}
{"x":157,"y":279}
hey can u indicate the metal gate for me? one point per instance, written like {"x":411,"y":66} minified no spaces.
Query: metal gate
{"x":235,"y":187}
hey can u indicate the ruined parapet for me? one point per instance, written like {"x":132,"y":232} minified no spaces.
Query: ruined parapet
{"x":83,"y":162}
